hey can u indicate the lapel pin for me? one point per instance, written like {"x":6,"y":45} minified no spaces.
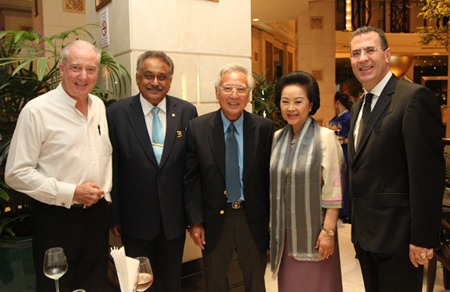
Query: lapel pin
{"x":179,"y":134}
{"x":173,"y":115}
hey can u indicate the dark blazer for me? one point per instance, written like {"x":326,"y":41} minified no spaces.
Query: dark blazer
{"x":397,"y":172}
{"x":143,"y":193}
{"x":205,"y":175}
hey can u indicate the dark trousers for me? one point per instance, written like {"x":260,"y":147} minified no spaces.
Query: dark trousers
{"x":235,"y":236}
{"x":165,"y":257}
{"x":83,"y":234}
{"x":386,"y":272}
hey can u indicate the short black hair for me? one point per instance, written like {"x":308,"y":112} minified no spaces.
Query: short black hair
{"x":367,"y":29}
{"x":344,"y":98}
{"x":300,"y":78}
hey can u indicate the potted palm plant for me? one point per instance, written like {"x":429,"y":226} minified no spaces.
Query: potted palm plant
{"x":263,"y":100}
{"x":29,"y":68}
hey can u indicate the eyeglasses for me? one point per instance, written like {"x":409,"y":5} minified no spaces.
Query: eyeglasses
{"x":159,"y":77}
{"x":240,"y":90}
{"x":356,"y":54}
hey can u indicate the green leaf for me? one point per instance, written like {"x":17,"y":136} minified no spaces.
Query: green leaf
{"x":42,"y":63}
{"x":4,"y":195}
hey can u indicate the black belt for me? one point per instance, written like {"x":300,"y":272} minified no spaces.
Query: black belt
{"x":237,"y":205}
{"x":79,"y":206}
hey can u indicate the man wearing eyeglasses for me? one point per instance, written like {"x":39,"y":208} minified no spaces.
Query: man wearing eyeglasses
{"x":396,"y":170}
{"x":227,"y":184}
{"x":148,"y":135}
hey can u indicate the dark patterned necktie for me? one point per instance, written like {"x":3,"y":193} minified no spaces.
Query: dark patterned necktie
{"x":233,"y":178}
{"x":367,"y":109}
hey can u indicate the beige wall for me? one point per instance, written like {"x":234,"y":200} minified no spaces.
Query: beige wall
{"x":316,"y":51}
{"x":199,"y":36}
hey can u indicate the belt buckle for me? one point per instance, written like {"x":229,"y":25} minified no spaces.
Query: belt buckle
{"x":236,"y":205}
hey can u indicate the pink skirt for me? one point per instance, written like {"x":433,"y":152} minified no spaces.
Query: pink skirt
{"x":307,"y":276}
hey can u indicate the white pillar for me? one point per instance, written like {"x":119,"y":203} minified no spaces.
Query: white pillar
{"x":199,"y":35}
{"x":316,"y":50}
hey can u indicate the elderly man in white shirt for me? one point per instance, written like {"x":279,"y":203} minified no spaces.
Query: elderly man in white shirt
{"x":60,"y":155}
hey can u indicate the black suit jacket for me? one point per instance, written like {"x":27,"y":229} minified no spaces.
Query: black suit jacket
{"x":205,"y":175}
{"x":397,"y":172}
{"x":144,"y":193}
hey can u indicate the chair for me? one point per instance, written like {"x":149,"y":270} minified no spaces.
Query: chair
{"x":441,"y":254}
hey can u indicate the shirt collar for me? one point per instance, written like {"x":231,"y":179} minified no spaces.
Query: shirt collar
{"x":68,"y":99}
{"x":147,"y":106}
{"x":380,"y":86}
{"x":237,"y":123}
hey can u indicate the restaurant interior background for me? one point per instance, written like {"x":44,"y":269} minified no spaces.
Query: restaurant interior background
{"x":278,"y":46}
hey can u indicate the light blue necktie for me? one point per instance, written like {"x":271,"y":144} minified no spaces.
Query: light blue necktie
{"x":233,"y":178}
{"x":157,"y":134}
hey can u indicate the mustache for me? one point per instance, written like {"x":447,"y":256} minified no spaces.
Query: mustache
{"x":151,"y":87}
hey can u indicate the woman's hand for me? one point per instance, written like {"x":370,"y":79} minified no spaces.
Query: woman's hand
{"x":325,"y":245}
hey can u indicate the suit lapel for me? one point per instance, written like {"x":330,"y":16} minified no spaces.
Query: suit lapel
{"x":354,"y":117}
{"x":217,"y":141}
{"x":137,"y":121}
{"x":383,"y":101}
{"x":249,"y":146}
{"x":172,"y":115}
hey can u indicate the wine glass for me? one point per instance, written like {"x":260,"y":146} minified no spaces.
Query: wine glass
{"x":145,"y":274}
{"x":55,"y":264}
{"x":338,"y":126}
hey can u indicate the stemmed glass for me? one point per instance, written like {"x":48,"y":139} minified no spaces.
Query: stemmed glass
{"x":55,"y":264}
{"x":338,"y":126}
{"x":145,"y":274}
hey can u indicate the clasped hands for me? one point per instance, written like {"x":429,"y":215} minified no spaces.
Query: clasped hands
{"x":88,"y":193}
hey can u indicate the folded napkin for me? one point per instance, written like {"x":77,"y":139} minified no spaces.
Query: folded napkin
{"x":127,"y":269}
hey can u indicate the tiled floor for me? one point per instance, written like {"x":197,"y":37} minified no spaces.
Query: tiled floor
{"x":351,"y":273}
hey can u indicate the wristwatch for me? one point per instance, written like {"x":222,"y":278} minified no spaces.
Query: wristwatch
{"x":330,"y":232}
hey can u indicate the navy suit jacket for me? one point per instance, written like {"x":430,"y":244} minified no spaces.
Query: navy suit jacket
{"x":397,"y":172}
{"x":205,"y":175}
{"x":144,"y":193}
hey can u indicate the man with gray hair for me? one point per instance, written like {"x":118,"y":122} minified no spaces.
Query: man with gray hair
{"x":227,"y":184}
{"x":148,"y":135}
{"x":60,"y":155}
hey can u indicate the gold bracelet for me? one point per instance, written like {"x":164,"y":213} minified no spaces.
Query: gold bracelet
{"x":330,"y":232}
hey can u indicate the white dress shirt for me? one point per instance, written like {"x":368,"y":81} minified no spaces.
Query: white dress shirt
{"x":55,"y":147}
{"x":147,"y":110}
{"x":376,"y":91}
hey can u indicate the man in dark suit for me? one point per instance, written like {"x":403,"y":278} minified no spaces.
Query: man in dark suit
{"x":148,"y":208}
{"x":226,"y":218}
{"x":396,"y":170}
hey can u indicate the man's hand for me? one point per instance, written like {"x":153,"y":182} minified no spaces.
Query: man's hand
{"x":419,"y":255}
{"x":116,"y":230}
{"x":197,"y":233}
{"x":88,"y":193}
